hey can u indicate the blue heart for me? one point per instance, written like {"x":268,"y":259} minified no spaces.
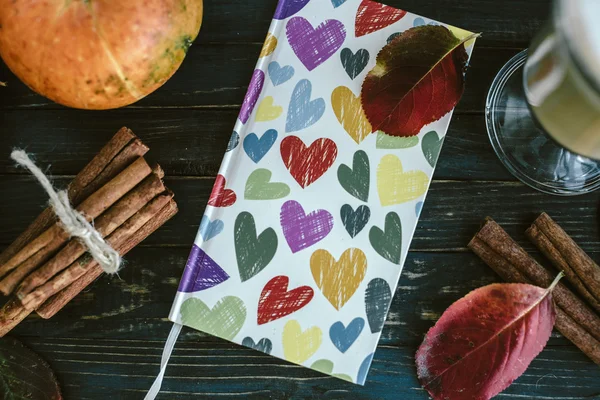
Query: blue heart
{"x":257,"y":148}
{"x":364,"y":369}
{"x":337,"y":3}
{"x":420,"y":22}
{"x":279,"y":74}
{"x":234,"y":140}
{"x":208,"y":229}
{"x":418,"y":208}
{"x":343,"y":337}
{"x":303,"y":112}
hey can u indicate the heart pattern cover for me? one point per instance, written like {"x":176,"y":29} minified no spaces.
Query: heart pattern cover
{"x":312,"y":213}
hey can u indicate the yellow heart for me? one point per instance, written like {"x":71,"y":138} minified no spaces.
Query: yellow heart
{"x":299,"y":346}
{"x":269,"y":46}
{"x":396,"y":186}
{"x":267,"y":111}
{"x":338,"y":280}
{"x":348,"y":110}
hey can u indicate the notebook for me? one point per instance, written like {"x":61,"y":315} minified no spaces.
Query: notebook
{"x":311,"y":216}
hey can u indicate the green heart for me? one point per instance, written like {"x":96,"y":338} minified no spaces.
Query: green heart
{"x":258,"y":186}
{"x":384,"y":141}
{"x":326,"y":367}
{"x":356,"y":179}
{"x":388,"y":243}
{"x":431,"y":145}
{"x":225,"y":319}
{"x":253,"y":253}
{"x":355,"y":221}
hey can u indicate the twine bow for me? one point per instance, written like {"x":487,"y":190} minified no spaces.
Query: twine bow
{"x":73,"y":222}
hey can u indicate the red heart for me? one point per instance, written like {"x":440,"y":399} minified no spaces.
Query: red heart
{"x":307,"y":164}
{"x":276,"y":302}
{"x":372,"y":16}
{"x":221,"y":197}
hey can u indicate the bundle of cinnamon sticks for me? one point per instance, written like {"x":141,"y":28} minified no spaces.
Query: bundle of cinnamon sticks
{"x":577,"y":310}
{"x":127,"y":201}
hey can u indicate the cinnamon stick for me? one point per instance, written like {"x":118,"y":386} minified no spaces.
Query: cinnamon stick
{"x":579,"y":262}
{"x":113,"y":158}
{"x":134,"y":150}
{"x":120,"y":212}
{"x":119,"y":240}
{"x":564,"y":323}
{"x":499,"y":241}
{"x":544,"y":244}
{"x":92,"y":207}
{"x":59,"y":300}
{"x":18,"y":313}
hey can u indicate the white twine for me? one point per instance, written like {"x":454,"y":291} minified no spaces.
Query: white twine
{"x":73,"y":221}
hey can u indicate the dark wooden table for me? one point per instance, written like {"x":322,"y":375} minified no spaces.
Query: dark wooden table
{"x":107,"y":343}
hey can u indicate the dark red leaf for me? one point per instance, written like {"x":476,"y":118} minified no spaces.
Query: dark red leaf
{"x":418,"y":78}
{"x":485,"y":341}
{"x":24,"y":375}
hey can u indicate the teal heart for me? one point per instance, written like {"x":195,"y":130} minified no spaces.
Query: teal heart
{"x":388,"y":242}
{"x":263,"y":344}
{"x":356,"y":180}
{"x":259,"y":187}
{"x":278,"y":74}
{"x":253,"y":253}
{"x":384,"y":141}
{"x":353,"y":63}
{"x":337,"y":3}
{"x":378,"y":297}
{"x":355,"y":221}
{"x":233,"y":141}
{"x":224,"y":320}
{"x":431,"y":145}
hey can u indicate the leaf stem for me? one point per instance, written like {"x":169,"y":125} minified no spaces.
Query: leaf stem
{"x":556,"y":280}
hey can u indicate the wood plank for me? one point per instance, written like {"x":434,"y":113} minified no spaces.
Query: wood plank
{"x":101,"y":369}
{"x":452,"y":213}
{"x":196,"y":84}
{"x":498,"y":20}
{"x":192,"y":142}
{"x":137,"y":304}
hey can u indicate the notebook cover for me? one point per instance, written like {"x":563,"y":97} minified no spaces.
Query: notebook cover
{"x":311,"y":217}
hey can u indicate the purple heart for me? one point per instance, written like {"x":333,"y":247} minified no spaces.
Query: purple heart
{"x":287,"y":8}
{"x":301,"y":230}
{"x":201,"y":272}
{"x":314,"y":46}
{"x":256,"y":86}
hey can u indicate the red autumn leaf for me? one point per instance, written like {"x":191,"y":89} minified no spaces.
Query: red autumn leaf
{"x":485,"y":341}
{"x":24,"y":375}
{"x":418,"y":78}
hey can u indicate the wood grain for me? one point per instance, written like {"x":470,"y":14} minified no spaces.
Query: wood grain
{"x":136,"y":306}
{"x":199,"y":369}
{"x":111,"y":337}
{"x":235,"y":63}
{"x":192,"y":142}
{"x":107,"y":343}
{"x":447,"y":223}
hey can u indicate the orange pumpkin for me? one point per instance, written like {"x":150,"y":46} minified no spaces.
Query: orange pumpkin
{"x":96,"y":54}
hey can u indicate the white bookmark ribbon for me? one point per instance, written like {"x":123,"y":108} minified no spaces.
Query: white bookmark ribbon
{"x":169,"y":345}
